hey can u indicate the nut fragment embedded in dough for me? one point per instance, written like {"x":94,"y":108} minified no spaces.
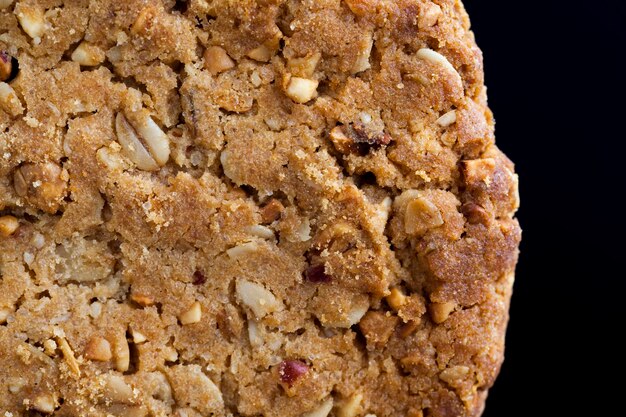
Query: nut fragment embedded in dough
{"x":396,"y":298}
{"x":351,"y":406}
{"x":435,"y":58}
{"x":98,"y":349}
{"x":192,"y":315}
{"x":256,"y":297}
{"x":44,"y":403}
{"x":121,"y":351}
{"x":441,"y":311}
{"x":9,"y":102}
{"x":8,"y":225}
{"x":362,"y":62}
{"x":88,"y":55}
{"x":216,"y":60}
{"x":43,"y":185}
{"x":31,"y":18}
{"x":142,"y":140}
{"x":116,"y":389}
{"x":301,"y":90}
{"x":421,"y":215}
{"x":68,"y":355}
{"x":447,"y":119}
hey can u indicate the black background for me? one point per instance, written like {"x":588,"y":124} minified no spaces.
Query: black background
{"x":557,"y":86}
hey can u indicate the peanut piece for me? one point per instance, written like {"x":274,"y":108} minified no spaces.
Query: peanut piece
{"x":43,"y":185}
{"x":242,"y":250}
{"x":8,"y":225}
{"x":192,"y":387}
{"x":9,"y":102}
{"x":436,"y":58}
{"x":447,"y":119}
{"x":117,"y":390}
{"x":301,"y":90}
{"x":98,"y":349}
{"x":441,"y":311}
{"x":396,"y":298}
{"x":256,"y":297}
{"x":478,"y":170}
{"x":216,"y":60}
{"x":351,"y":406}
{"x":420,"y":216}
{"x":31,"y":18}
{"x":142,"y":140}
{"x":88,"y":55}
{"x":454,"y":374}
{"x":304,"y":67}
{"x":45,"y":403}
{"x":121,"y":352}
{"x":192,"y":315}
{"x":362,"y":62}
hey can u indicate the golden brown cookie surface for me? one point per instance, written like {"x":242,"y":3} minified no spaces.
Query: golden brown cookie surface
{"x":277,"y":208}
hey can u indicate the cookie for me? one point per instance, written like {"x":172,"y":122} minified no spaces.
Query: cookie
{"x":249,"y":208}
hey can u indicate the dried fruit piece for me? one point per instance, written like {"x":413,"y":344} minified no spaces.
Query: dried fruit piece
{"x":271,"y":211}
{"x":317,"y":273}
{"x":192,"y":315}
{"x":8,"y":225}
{"x":216,"y":60}
{"x":256,"y":297}
{"x":31,"y":18}
{"x":98,"y":349}
{"x":6,"y":66}
{"x":43,"y":185}
{"x":88,"y":55}
{"x":474,"y":213}
{"x":301,"y":90}
{"x":441,"y":311}
{"x":355,"y":138}
{"x":142,"y":140}
{"x":198,"y":278}
{"x":291,"y":371}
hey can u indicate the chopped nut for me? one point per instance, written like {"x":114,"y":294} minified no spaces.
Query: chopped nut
{"x":478,"y":171}
{"x":261,"y":231}
{"x":192,"y":387}
{"x":68,"y":355}
{"x":111,"y":160}
{"x":420,"y":216}
{"x":98,"y":349}
{"x":436,"y":58}
{"x":301,"y":90}
{"x":261,"y":53}
{"x":454,"y":374}
{"x":362,"y":62}
{"x":271,"y":211}
{"x":142,"y":140}
{"x":31,"y":18}
{"x":242,"y":250}
{"x":9,"y":102}
{"x":43,"y":185}
{"x":255,"y":296}
{"x":138,"y":337}
{"x":429,"y":15}
{"x":44,"y":403}
{"x":291,"y":371}
{"x":304,"y":67}
{"x":396,"y":298}
{"x":317,"y":274}
{"x":216,"y":60}
{"x":377,"y":327}
{"x":121,"y":351}
{"x":88,"y":55}
{"x":8,"y":225}
{"x":4,"y":314}
{"x":474,"y":213}
{"x":352,"y":317}
{"x":142,"y":299}
{"x":6,"y":65}
{"x":193,"y":315}
{"x":447,"y":119}
{"x":351,"y":406}
{"x":355,"y":138}
{"x":144,"y":20}
{"x":50,"y":347}
{"x":323,"y":410}
{"x":254,"y":333}
{"x":408,"y":328}
{"x":117,"y":390}
{"x":441,"y":311}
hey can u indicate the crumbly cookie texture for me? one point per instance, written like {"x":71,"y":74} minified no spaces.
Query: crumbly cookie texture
{"x":249,"y":208}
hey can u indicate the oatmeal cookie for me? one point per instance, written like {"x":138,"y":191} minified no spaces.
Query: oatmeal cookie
{"x":249,"y":208}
